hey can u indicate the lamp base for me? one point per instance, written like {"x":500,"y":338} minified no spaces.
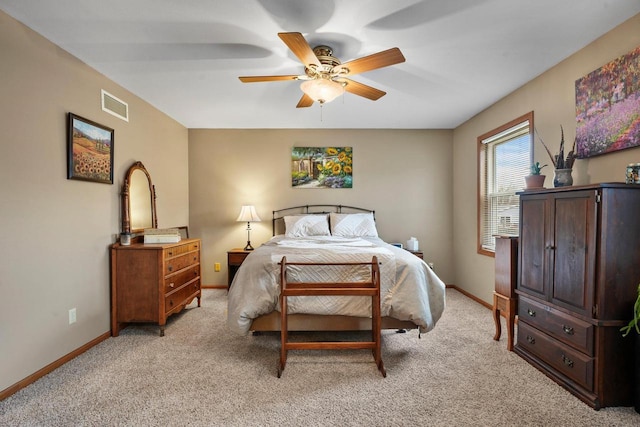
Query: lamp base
{"x":248,"y":247}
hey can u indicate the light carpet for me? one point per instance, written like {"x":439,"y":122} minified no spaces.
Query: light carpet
{"x":201,"y":374}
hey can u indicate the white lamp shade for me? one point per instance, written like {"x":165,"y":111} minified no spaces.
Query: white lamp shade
{"x":248,"y":214}
{"x":322,"y":90}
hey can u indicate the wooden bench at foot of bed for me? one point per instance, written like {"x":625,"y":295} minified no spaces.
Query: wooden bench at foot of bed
{"x":316,"y":322}
{"x":366,"y":288}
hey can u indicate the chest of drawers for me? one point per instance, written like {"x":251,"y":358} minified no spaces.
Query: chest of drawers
{"x":150,"y":282}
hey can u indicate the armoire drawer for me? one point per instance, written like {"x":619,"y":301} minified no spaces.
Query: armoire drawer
{"x":568,"y":329}
{"x":564,"y":359}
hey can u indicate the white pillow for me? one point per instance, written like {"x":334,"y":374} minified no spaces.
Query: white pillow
{"x":353,"y":225}
{"x":306,"y":225}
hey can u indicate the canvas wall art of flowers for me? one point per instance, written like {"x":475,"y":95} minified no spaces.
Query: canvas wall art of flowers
{"x":608,"y":107}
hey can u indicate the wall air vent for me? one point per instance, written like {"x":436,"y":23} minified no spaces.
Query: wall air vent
{"x":115,"y":106}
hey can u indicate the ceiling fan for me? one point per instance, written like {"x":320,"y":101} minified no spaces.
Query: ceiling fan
{"x":325,"y":77}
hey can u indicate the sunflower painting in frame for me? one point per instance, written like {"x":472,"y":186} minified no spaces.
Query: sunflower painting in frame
{"x":89,"y":150}
{"x":322,"y":167}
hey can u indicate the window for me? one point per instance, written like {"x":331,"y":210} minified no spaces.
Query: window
{"x":505,"y":155}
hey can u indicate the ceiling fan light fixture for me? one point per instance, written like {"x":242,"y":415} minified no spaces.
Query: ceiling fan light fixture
{"x":322,"y":90}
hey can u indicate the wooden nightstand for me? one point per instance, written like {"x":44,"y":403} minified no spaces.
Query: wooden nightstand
{"x":419,"y":254}
{"x":235,"y":258}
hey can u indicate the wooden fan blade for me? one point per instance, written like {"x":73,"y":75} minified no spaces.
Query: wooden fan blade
{"x":363,"y":90}
{"x":254,"y":79}
{"x":377,"y":60}
{"x":305,"y":101}
{"x":300,"y":48}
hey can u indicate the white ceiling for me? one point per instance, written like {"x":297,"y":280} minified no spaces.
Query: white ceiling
{"x":184,"y":57}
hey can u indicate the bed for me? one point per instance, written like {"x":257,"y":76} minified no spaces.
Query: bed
{"x":412,"y":295}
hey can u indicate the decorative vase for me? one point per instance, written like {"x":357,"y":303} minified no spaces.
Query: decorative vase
{"x":563,"y":178}
{"x":534,"y":181}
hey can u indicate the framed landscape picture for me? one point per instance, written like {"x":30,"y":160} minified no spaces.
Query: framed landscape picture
{"x":322,"y":167}
{"x":89,"y":150}
{"x":608,"y":107}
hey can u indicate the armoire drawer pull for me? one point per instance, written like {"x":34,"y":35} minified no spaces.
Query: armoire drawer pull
{"x":568,"y":362}
{"x":531,"y":312}
{"x":171,"y":285}
{"x":567,"y":329}
{"x":170,"y":268}
{"x":530,"y":339}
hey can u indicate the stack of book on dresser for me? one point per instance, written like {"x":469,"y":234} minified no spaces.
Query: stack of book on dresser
{"x":161,"y":235}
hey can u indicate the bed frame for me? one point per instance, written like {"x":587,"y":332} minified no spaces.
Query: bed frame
{"x":310,"y":322}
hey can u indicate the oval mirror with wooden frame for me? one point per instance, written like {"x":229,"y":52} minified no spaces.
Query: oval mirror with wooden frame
{"x":138,"y":200}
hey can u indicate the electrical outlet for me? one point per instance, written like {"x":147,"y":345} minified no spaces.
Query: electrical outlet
{"x":216,"y":266}
{"x":72,"y":316}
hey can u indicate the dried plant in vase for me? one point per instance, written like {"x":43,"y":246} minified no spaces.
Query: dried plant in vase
{"x":559,"y":161}
{"x":563,"y":165}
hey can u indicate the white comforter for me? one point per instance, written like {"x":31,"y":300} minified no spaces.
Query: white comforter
{"x":410,"y":290}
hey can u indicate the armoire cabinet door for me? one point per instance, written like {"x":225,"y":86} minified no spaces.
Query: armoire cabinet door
{"x":532,"y":254}
{"x":572,"y":250}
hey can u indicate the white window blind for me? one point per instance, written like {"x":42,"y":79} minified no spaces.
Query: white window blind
{"x":507,"y":160}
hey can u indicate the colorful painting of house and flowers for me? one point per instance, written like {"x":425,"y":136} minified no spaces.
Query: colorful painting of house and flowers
{"x":322,"y":167}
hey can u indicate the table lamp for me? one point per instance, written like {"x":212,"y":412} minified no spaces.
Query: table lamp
{"x":248,"y":214}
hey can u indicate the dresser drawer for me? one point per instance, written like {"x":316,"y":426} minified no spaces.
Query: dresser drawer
{"x":569,"y":362}
{"x":175,"y":299}
{"x":568,"y":329}
{"x":175,"y":281}
{"x":178,"y":263}
{"x":181,"y":249}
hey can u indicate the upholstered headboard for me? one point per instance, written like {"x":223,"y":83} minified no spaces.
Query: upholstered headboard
{"x":277,"y":221}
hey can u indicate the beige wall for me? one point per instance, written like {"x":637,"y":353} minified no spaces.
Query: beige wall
{"x":552,"y":98}
{"x":56,"y":232}
{"x":404,"y":175}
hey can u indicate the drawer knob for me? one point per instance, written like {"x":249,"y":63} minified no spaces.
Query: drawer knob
{"x":170,"y":268}
{"x":170,"y":253}
{"x":531,"y":312}
{"x":171,"y":285}
{"x":530,"y":339}
{"x":568,"y":362}
{"x":567,"y":329}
